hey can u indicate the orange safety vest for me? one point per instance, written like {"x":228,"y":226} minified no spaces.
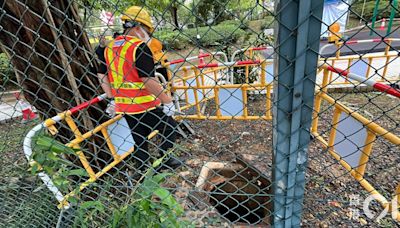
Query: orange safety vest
{"x":130,"y":94}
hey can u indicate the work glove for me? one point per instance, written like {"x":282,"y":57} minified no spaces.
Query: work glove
{"x":110,"y":110}
{"x":169,"y":109}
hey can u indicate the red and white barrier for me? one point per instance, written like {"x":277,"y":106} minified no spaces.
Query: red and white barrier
{"x":377,"y":85}
{"x":263,"y":48}
{"x":201,"y":57}
{"x":376,"y":40}
{"x":225,"y":64}
{"x":87,"y":103}
{"x":350,"y":42}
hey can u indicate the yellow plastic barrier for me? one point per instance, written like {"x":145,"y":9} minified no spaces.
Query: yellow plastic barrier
{"x":371,"y":131}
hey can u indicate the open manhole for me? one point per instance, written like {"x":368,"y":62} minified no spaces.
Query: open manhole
{"x":238,"y":192}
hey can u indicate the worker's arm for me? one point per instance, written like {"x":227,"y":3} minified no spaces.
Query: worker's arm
{"x":102,"y":71}
{"x":153,"y":86}
{"x":105,"y":84}
{"x":146,"y":70}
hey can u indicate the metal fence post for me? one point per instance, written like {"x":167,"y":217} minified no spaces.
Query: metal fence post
{"x":297,"y":44}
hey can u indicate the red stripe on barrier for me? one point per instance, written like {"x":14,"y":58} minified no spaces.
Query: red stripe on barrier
{"x":387,"y":89}
{"x":203,"y":55}
{"x":337,"y":70}
{"x":183,"y":60}
{"x":379,"y":86}
{"x":380,"y":40}
{"x":208,"y":65}
{"x":359,"y":41}
{"x":176,"y":61}
{"x":238,"y":63}
{"x":85,"y":105}
{"x":259,"y":48}
{"x":247,"y":62}
{"x":351,"y":42}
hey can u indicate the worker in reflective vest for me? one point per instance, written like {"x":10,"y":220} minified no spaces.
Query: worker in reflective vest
{"x":136,"y":92}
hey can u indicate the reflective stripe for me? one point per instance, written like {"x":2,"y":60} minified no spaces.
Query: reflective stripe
{"x":130,"y":96}
{"x":128,"y":85}
{"x":118,"y":75}
{"x":111,"y":63}
{"x":138,"y":112}
{"x":122,"y":58}
{"x":134,"y":100}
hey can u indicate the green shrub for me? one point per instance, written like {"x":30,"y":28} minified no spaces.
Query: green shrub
{"x":209,"y":36}
{"x":7,"y":75}
{"x":219,"y":34}
{"x":172,"y":39}
{"x":384,"y":10}
{"x":149,"y":204}
{"x":259,"y":25}
{"x":236,"y":23}
{"x":255,"y":40}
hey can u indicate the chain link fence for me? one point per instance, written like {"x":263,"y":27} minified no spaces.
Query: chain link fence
{"x":284,"y":113}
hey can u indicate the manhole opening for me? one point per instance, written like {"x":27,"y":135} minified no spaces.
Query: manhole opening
{"x":240,"y":198}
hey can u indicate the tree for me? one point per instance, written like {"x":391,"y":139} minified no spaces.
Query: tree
{"x":52,"y":58}
{"x":159,"y":8}
{"x":244,"y":8}
{"x":221,"y":10}
{"x":88,"y":6}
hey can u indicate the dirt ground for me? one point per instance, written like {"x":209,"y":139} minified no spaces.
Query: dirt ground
{"x":329,"y":186}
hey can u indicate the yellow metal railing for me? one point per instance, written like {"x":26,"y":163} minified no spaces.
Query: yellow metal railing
{"x":244,"y":101}
{"x":79,"y":137}
{"x":367,"y":59}
{"x":204,"y":91}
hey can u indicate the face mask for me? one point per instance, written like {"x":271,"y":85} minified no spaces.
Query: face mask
{"x":142,"y":34}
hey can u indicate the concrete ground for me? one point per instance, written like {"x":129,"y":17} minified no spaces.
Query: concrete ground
{"x":9,"y":110}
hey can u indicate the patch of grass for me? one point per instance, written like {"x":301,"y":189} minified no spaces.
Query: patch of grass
{"x":352,"y":23}
{"x":25,"y":202}
{"x":12,"y":135}
{"x":13,"y":161}
{"x":24,"y":207}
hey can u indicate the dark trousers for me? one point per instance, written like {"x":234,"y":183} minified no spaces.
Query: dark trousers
{"x":143,"y":124}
